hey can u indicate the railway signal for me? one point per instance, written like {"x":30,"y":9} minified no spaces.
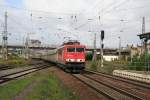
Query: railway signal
{"x":102,"y":46}
{"x":102,"y":35}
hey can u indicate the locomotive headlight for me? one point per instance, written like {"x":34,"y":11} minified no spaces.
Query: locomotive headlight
{"x":80,"y":60}
{"x":67,"y":60}
{"x":70,"y":60}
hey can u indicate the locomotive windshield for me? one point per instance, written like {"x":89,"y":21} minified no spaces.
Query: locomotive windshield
{"x":75,"y":49}
{"x":79,"y":49}
{"x":70,"y":49}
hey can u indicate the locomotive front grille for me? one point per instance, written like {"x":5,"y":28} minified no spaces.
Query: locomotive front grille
{"x":75,"y":65}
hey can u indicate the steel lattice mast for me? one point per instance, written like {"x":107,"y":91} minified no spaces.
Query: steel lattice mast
{"x":4,"y":39}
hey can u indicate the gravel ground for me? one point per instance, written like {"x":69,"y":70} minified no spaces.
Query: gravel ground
{"x":78,"y":88}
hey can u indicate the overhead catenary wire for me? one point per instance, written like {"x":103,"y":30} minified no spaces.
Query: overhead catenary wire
{"x":38,"y":10}
{"x":117,"y":7}
{"x":110,"y":5}
{"x":117,"y":10}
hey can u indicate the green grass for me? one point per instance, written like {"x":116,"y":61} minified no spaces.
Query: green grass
{"x":8,"y":91}
{"x":91,"y":65}
{"x":107,"y":68}
{"x":110,"y":66}
{"x":48,"y":87}
{"x":16,"y":61}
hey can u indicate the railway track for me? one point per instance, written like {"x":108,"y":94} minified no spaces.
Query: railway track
{"x":130,"y":81}
{"x":5,"y":67}
{"x":17,"y":74}
{"x":101,"y":89}
{"x":113,"y":89}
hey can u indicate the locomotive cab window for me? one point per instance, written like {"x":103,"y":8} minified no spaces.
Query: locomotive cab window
{"x":70,"y":49}
{"x":79,"y":49}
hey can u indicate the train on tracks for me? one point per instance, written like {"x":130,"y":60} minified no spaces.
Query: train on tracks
{"x":70,"y":56}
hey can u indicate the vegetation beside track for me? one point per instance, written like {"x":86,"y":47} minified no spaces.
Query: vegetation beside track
{"x":8,"y":91}
{"x":90,"y":65}
{"x":51,"y":88}
{"x":138,"y":63}
{"x":15,"y":61}
{"x":48,"y":87}
{"x":109,"y":66}
{"x":116,"y":65}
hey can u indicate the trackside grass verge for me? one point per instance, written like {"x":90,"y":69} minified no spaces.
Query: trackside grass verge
{"x":93,"y":66}
{"x":16,"y":62}
{"x":8,"y":91}
{"x":48,"y":87}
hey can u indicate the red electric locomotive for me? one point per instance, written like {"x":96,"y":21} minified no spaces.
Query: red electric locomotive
{"x":71,"y":56}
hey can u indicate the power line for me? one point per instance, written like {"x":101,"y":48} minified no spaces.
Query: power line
{"x":18,"y":23}
{"x":121,"y":3}
{"x":92,"y":18}
{"x":108,"y":6}
{"x":126,"y":9}
{"x":109,"y":11}
{"x":93,"y":7}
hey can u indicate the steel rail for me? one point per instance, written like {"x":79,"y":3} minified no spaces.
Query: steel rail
{"x":134,"y":82}
{"x":18,"y":74}
{"x":95,"y":89}
{"x":116,"y":88}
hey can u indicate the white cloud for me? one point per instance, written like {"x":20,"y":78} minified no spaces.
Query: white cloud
{"x":46,"y":22}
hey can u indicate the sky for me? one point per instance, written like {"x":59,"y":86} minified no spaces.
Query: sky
{"x":55,"y":21}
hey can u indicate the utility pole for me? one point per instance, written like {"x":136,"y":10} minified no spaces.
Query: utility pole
{"x":4,"y":39}
{"x":23,"y":47}
{"x":27,"y":47}
{"x":119,"y":48}
{"x":144,"y":43}
{"x":94,"y":55}
{"x":143,"y":25}
{"x":143,"y":31}
{"x":27,"y":51}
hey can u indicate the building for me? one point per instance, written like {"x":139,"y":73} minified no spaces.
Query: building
{"x":110,"y":57}
{"x":109,"y":54}
{"x":35,"y":43}
{"x":128,"y":52}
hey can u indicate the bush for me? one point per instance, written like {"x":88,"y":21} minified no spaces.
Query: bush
{"x":13,"y":56}
{"x":89,"y":56}
{"x":93,"y":66}
{"x":139,"y":63}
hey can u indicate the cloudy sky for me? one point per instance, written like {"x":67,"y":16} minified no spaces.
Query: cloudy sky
{"x":52,"y":20}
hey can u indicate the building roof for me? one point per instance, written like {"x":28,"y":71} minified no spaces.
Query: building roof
{"x":144,"y":35}
{"x":35,"y":41}
{"x":71,"y":42}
